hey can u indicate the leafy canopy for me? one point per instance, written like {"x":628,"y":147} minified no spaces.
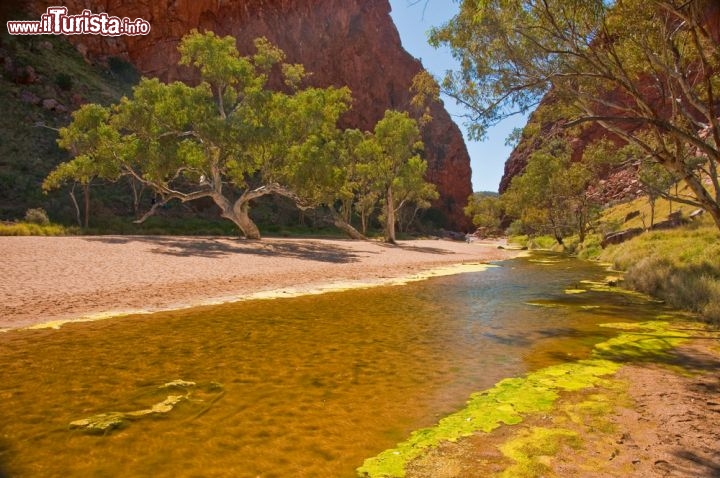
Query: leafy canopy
{"x":646,"y":71}
{"x":231,"y":138}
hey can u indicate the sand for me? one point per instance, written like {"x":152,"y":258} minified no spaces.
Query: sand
{"x":49,"y":280}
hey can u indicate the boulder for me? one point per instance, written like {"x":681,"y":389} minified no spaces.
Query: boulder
{"x":620,"y":236}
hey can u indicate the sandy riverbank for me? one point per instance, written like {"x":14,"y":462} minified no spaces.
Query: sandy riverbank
{"x":50,"y":279}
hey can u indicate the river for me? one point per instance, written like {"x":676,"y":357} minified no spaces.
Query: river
{"x":301,"y":387}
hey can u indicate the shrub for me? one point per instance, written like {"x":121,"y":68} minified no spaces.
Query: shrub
{"x":521,"y":241}
{"x":516,"y":228}
{"x":711,"y":311}
{"x":542,"y":242}
{"x":694,"y":287}
{"x":30,"y":229}
{"x":64,"y":81}
{"x":123,"y":70}
{"x":37,"y":216}
{"x":649,"y":275}
{"x":590,"y":249}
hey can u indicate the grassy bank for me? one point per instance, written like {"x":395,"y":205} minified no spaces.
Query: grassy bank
{"x":680,"y":266}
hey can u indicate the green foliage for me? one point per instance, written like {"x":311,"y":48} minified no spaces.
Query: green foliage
{"x":541,"y":242}
{"x":590,"y":248}
{"x":64,"y":81}
{"x":123,"y":70}
{"x":485,"y":210}
{"x":516,"y":238}
{"x":550,"y":197}
{"x":598,"y":58}
{"x":33,"y":229}
{"x":425,"y":91}
{"x":93,"y":142}
{"x":191,"y":142}
{"x":391,"y":168}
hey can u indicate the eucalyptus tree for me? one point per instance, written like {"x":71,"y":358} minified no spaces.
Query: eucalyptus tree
{"x":551,"y":196}
{"x":485,"y":210}
{"x":646,"y":71}
{"x":393,"y":164}
{"x":231,"y":138}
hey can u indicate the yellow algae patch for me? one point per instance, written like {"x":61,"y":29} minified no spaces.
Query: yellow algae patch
{"x":533,"y":449}
{"x":547,"y":304}
{"x":545,"y":261}
{"x":575,"y":291}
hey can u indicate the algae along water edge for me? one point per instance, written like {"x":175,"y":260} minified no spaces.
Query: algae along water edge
{"x":305,"y":386}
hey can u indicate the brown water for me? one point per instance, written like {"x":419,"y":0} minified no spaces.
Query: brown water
{"x":301,"y":387}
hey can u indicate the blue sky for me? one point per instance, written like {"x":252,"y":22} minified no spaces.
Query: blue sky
{"x":487,"y":158}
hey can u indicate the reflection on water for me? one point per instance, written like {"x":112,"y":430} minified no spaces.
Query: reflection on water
{"x":302,"y":387}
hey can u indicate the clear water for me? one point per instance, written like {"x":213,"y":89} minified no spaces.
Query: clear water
{"x":308,"y":387}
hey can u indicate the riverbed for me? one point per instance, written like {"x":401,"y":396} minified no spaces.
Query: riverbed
{"x":304,"y":386}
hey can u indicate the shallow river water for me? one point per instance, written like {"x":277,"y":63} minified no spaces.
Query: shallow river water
{"x":299,"y":387}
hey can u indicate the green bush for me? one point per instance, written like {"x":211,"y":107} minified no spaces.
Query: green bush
{"x":37,"y":216}
{"x":542,"y":242}
{"x":30,"y":229}
{"x":590,"y":249}
{"x":64,"y":81}
{"x":519,"y":240}
{"x":516,"y":228}
{"x":123,"y":70}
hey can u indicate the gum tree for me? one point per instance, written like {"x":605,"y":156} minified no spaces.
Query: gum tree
{"x":232,"y":138}
{"x":646,"y":71}
{"x":393,"y":165}
{"x":550,"y":196}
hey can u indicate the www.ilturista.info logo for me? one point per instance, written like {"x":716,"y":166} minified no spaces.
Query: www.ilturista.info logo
{"x":56,"y":21}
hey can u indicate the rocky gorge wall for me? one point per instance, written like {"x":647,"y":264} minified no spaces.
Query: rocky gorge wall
{"x":341,"y":42}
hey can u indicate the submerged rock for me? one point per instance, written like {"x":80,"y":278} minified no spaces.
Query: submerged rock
{"x":104,"y":423}
{"x":178,"y":384}
{"x":101,"y":423}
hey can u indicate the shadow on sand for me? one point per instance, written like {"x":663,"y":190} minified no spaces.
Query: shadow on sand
{"x":216,"y":247}
{"x":306,"y":249}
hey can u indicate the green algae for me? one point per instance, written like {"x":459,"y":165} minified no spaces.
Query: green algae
{"x":546,"y":303}
{"x":592,"y":413}
{"x":505,"y":403}
{"x":532,"y":449}
{"x":642,"y":342}
{"x":510,"y":400}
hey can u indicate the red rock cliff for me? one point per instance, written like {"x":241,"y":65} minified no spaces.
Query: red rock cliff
{"x":341,"y":42}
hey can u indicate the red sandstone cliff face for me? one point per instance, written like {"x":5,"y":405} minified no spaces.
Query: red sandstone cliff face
{"x":342,"y":42}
